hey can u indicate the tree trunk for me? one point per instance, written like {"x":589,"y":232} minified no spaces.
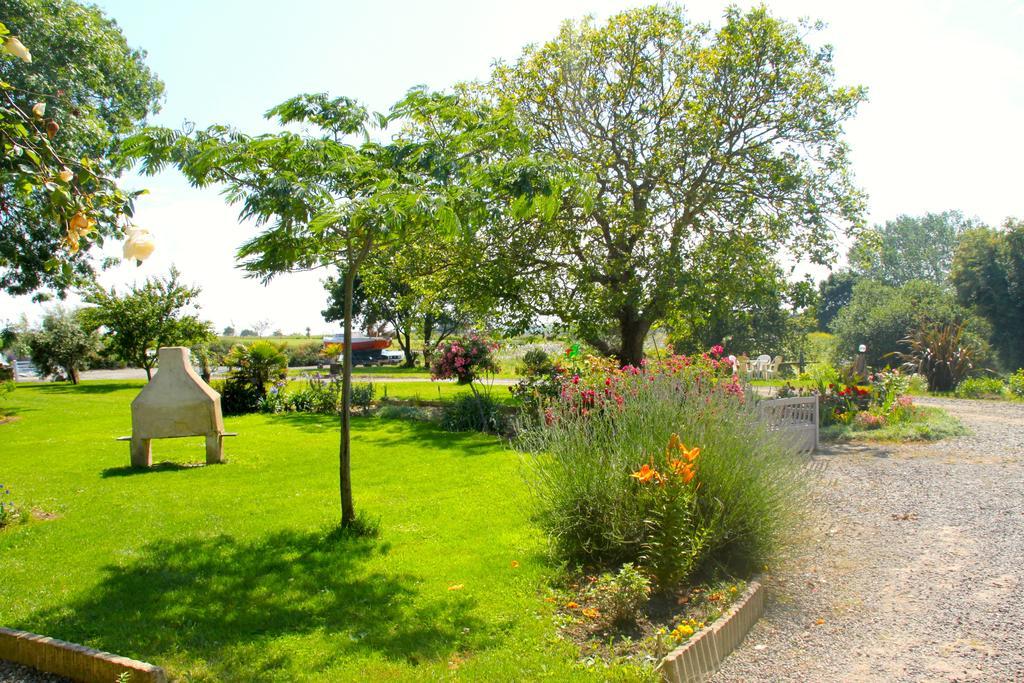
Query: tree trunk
{"x":410,"y":359}
{"x":348,"y":514}
{"x":72,"y":373}
{"x":632,"y":332}
{"x":149,"y":372}
{"x":428,"y":331}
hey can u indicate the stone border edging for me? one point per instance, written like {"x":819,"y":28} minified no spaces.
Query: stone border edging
{"x":700,"y":657}
{"x":76,"y":662}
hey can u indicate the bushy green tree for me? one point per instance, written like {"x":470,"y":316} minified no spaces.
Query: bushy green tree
{"x":909,"y":248}
{"x":160,"y":312}
{"x":988,"y":273}
{"x":61,"y":115}
{"x":673,"y":140}
{"x":881,"y":317}
{"x":834,"y":292}
{"x":62,"y":345}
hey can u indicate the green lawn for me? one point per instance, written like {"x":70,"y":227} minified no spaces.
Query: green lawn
{"x":232,"y":572}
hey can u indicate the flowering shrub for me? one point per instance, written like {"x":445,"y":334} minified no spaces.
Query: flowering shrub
{"x":613,"y":485}
{"x":464,"y":359}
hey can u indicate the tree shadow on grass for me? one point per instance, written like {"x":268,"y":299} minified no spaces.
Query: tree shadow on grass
{"x":223,"y":601}
{"x":85,"y":387}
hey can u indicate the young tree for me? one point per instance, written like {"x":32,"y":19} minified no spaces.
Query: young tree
{"x":675,"y":136}
{"x":909,"y":248}
{"x":62,"y":344}
{"x":71,"y":91}
{"x":138,"y":323}
{"x":229,"y":331}
{"x":321,"y":201}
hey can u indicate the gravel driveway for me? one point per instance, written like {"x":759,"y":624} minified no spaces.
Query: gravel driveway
{"x":913,"y":565}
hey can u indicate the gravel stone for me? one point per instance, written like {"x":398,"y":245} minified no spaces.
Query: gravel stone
{"x":912,"y":566}
{"x":16,"y":673}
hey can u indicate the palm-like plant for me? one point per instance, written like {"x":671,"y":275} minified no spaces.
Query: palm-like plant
{"x":941,"y":353}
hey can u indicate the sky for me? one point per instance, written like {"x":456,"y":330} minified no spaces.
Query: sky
{"x":940,"y":131}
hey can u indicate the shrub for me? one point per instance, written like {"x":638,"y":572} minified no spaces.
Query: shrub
{"x":619,"y":597}
{"x":980,"y":387}
{"x":304,"y":355}
{"x":597,"y":503}
{"x":362,"y":396}
{"x":882,"y":317}
{"x":238,"y":398}
{"x":541,"y":381}
{"x":464,"y":359}
{"x":1016,"y":383}
{"x":942,"y":353}
{"x":250,"y":369}
{"x":474,"y":412}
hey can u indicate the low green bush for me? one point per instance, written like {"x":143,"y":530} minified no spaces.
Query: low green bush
{"x":362,"y":396}
{"x":474,"y":412}
{"x":1016,"y":383}
{"x":980,"y":387}
{"x":608,"y":491}
{"x":620,"y":596}
{"x":402,"y":412}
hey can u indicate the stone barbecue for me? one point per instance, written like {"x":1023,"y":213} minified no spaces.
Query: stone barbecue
{"x":176,"y":403}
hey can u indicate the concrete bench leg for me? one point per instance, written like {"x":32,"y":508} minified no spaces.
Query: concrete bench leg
{"x":214,"y":449}
{"x":142,"y":455}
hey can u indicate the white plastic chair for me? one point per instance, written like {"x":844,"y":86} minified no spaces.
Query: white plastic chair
{"x":759,"y":366}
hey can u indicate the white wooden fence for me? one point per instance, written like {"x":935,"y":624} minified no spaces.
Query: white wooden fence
{"x":797,"y":417}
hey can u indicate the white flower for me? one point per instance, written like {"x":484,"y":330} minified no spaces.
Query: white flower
{"x":139,"y":244}
{"x":13,"y":46}
{"x":39,"y":109}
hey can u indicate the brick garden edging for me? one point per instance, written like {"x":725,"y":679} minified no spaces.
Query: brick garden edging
{"x":76,"y":662}
{"x":700,"y":657}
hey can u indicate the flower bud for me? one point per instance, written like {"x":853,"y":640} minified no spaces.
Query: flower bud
{"x":39,"y":109}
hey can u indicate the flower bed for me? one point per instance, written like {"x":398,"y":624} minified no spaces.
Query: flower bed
{"x":665,"y":471}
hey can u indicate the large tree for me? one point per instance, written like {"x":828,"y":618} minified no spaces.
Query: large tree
{"x":677,"y":140}
{"x":63,"y":109}
{"x":834,"y":292}
{"x":909,"y":248}
{"x":160,"y":312}
{"x":988,"y":273}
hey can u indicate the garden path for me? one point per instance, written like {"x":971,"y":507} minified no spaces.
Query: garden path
{"x":913,"y":568}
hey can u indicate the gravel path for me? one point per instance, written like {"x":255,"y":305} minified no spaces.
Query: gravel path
{"x":913,"y":566}
{"x":15,"y":673}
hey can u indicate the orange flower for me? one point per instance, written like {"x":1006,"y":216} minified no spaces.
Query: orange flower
{"x":687,"y":474}
{"x":572,"y":605}
{"x":646,"y":474}
{"x":456,"y":587}
{"x":515,"y":564}
{"x":591,"y":613}
{"x":691,"y":454}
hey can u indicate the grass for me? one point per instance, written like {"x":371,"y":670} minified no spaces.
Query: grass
{"x":932,"y":425}
{"x":425,"y":391}
{"x":235,"y":572}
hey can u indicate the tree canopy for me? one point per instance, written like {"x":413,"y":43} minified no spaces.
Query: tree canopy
{"x":909,"y":248}
{"x":61,"y":116}
{"x":62,"y":344}
{"x":671,"y":141}
{"x":988,"y":273}
{"x":149,"y":316}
